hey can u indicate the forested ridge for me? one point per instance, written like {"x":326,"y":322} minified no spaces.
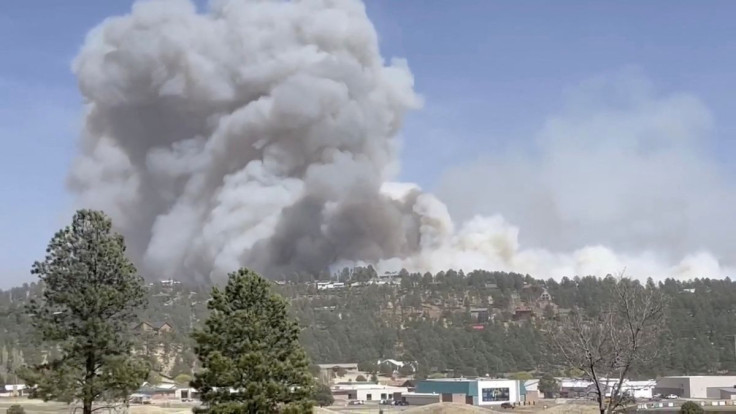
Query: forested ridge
{"x":464,"y":324}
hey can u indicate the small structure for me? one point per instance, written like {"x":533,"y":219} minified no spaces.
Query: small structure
{"x":186,"y":393}
{"x":639,"y":389}
{"x":530,"y":391}
{"x":16,"y":390}
{"x":395,"y":365}
{"x":156,"y":329}
{"x":367,"y":392}
{"x":523,"y":313}
{"x":330,"y":285}
{"x":479,"y":315}
{"x":573,"y":387}
{"x":158,"y":391}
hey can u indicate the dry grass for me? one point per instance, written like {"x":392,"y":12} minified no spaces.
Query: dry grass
{"x":40,"y":407}
{"x":448,"y":408}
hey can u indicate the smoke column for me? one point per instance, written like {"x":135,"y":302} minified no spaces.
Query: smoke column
{"x":263,"y":134}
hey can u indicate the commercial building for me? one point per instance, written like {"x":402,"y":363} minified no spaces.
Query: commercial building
{"x":693,"y":386}
{"x":722,"y":393}
{"x":367,"y":392}
{"x":639,"y":389}
{"x":574,"y":387}
{"x":418,"y":398}
{"x":480,"y":391}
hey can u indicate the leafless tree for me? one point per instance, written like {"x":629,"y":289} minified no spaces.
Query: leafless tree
{"x":622,"y":336}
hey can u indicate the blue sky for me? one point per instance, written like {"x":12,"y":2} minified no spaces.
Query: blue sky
{"x":491,"y":73}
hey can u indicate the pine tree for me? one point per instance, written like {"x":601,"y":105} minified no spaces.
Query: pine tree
{"x":250,"y":353}
{"x":91,"y":292}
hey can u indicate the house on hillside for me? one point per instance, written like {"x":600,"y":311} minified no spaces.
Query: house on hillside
{"x":523,"y":313}
{"x":396,"y":365}
{"x":479,"y":315}
{"x":156,"y":329}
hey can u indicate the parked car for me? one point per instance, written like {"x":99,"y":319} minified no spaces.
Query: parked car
{"x":672,"y":397}
{"x":397,"y":402}
{"x":507,"y":405}
{"x":356,"y":402}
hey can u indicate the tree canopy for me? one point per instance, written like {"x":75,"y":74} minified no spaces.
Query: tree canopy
{"x":88,"y":302}
{"x":249,"y":349}
{"x":424,"y":319}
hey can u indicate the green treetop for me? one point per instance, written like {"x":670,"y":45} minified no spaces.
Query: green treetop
{"x":250,"y":353}
{"x":90,"y":295}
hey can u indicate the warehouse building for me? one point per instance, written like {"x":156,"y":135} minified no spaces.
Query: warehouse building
{"x":480,"y":391}
{"x":693,"y":386}
{"x":367,"y":392}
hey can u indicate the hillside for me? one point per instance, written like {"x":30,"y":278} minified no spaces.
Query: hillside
{"x":475,"y":324}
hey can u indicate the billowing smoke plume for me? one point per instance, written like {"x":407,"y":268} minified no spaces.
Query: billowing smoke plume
{"x":263,"y":133}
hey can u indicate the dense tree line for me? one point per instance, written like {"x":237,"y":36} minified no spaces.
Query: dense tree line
{"x":426,"y":318}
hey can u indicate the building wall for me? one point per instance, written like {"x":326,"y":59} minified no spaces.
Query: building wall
{"x":717,"y":393}
{"x":679,"y":386}
{"x":454,"y":398}
{"x":699,"y":385}
{"x":531,"y":396}
{"x":423,"y":399}
{"x":496,"y":392}
{"x":692,"y":387}
{"x":377,"y":394}
{"x":468,"y":387}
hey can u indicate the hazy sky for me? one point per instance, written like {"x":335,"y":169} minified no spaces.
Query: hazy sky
{"x":510,"y":80}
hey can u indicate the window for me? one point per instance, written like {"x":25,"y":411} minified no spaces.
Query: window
{"x":383,"y":396}
{"x":495,"y":394}
{"x":368,"y":397}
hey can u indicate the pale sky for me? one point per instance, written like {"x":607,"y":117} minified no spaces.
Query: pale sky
{"x":494,"y":75}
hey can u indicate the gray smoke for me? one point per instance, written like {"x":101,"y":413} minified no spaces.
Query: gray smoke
{"x":259,"y":133}
{"x":263,"y":133}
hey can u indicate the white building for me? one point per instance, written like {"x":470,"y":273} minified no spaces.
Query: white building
{"x":639,"y":389}
{"x":396,"y":365}
{"x":692,"y":386}
{"x":15,"y":390}
{"x":330,"y":285}
{"x":366,"y":392}
{"x":498,"y":391}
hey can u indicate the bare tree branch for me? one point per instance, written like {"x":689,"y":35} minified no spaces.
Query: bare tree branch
{"x":622,"y":338}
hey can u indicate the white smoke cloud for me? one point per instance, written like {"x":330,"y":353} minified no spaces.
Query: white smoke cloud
{"x":263,"y":133}
{"x":620,"y":166}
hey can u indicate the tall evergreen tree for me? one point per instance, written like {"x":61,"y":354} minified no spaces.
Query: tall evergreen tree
{"x":90,"y":296}
{"x":250,"y":353}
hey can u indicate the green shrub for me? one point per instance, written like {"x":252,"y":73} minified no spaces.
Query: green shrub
{"x":16,"y":409}
{"x":691,"y":408}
